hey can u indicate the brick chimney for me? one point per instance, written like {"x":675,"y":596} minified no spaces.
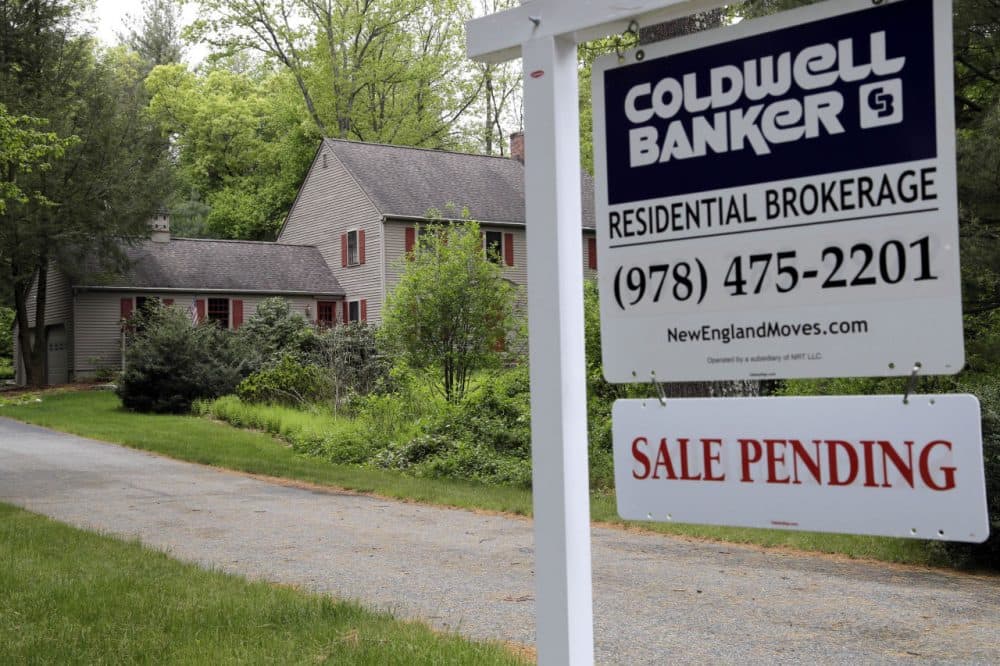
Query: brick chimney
{"x":159,"y":227}
{"x":517,"y":146}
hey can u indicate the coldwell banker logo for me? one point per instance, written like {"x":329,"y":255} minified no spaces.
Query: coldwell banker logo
{"x":851,"y":91}
{"x":718,"y":124}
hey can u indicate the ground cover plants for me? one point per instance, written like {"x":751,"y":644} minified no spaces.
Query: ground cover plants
{"x":70,"y":596}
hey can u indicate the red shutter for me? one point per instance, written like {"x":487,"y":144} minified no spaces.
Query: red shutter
{"x":343,"y":250}
{"x":508,"y":249}
{"x":411,"y":239}
{"x":361,"y":246}
{"x":347,"y":312}
{"x":237,"y":314}
{"x":199,"y":308}
{"x":592,"y":253}
{"x":126,"y":308}
{"x":167,"y":302}
{"x":364,"y":310}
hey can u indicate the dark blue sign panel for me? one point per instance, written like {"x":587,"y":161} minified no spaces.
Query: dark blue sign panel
{"x":842,"y":93}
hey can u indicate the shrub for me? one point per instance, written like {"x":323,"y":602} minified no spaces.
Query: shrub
{"x":272,"y":332}
{"x":170,"y":363}
{"x":287,"y":382}
{"x":6,"y":332}
{"x":355,"y":361}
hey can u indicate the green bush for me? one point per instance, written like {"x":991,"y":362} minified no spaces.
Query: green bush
{"x":272,"y":332}
{"x":6,"y":369}
{"x":287,"y":382}
{"x":6,"y":332}
{"x":170,"y":363}
{"x":354,"y":360}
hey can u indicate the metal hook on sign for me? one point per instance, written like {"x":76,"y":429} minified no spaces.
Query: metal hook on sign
{"x":660,"y":388}
{"x":911,"y":383}
{"x":632,"y":29}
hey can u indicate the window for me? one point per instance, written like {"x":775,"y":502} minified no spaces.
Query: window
{"x":218,"y":311}
{"x":352,"y":248}
{"x":493,"y":245}
{"x":325,"y":313}
{"x":354,"y":311}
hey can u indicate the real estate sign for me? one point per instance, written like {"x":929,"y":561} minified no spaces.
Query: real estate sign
{"x":862,"y":465}
{"x":778,"y":198}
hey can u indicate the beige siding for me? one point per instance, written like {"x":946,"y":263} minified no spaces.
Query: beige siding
{"x":330,"y":204}
{"x":98,"y":336}
{"x":58,"y":310}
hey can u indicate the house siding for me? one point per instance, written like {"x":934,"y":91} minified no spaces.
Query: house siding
{"x":58,"y":310}
{"x":330,"y":204}
{"x":97,"y":343}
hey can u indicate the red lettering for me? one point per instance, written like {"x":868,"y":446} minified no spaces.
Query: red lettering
{"x":905,"y":469}
{"x":749,"y":459}
{"x":685,"y":474}
{"x":709,"y":459}
{"x":925,"y":472}
{"x":812,"y":464}
{"x":870,"y":464}
{"x":663,"y":460}
{"x":852,"y":457}
{"x":773,"y":459}
{"x":640,"y":458}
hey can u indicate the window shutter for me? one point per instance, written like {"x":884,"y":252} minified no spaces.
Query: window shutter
{"x":361,"y":246}
{"x":237,"y":314}
{"x":343,"y":250}
{"x":411,"y":239}
{"x":199,"y":308}
{"x":347,"y":312}
{"x":126,"y":308}
{"x":592,"y":253}
{"x":508,"y":249}
{"x":167,"y":302}
{"x":364,"y":309}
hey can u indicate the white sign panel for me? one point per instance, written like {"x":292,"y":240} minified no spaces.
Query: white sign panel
{"x":859,"y":465}
{"x":778,"y":198}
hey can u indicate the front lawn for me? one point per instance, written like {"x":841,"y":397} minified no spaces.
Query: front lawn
{"x":70,"y":596}
{"x":99,"y":415}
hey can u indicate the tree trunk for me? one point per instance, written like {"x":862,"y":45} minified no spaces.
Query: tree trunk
{"x":33,"y":352}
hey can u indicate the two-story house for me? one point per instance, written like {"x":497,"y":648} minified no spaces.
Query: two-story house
{"x":362,"y":205}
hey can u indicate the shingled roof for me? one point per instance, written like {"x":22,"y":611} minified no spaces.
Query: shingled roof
{"x":199,"y":265}
{"x":407,"y":182}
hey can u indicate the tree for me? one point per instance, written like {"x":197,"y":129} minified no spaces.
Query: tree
{"x":452,"y":308}
{"x":108,"y":179}
{"x":390,"y":71}
{"x":155,"y":35}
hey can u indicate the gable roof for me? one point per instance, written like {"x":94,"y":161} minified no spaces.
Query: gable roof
{"x":407,"y":182}
{"x":200,"y":265}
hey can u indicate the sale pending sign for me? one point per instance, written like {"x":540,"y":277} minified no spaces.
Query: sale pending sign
{"x":855,"y":464}
{"x":778,"y":198}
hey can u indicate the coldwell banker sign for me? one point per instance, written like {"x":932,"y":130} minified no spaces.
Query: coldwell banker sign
{"x":778,"y":198}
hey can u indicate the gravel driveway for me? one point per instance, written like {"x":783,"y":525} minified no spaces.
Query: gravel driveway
{"x":656,"y":598}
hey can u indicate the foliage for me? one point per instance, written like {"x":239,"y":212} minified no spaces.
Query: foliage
{"x":286,"y":382}
{"x":242,"y":147}
{"x":354,"y":360}
{"x":95,"y":174}
{"x":170,"y":363}
{"x":6,"y":332}
{"x":155,"y":35}
{"x":451,"y":308}
{"x":6,"y":369}
{"x":274,"y":331}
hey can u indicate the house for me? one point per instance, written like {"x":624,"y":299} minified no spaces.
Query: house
{"x":363,"y":204}
{"x":218,"y":280}
{"x":340,"y":252}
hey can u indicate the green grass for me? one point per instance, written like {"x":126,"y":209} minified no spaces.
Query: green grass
{"x":73,"y":597}
{"x":99,"y":415}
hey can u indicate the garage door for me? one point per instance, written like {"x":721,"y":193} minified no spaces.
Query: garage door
{"x":58,"y":359}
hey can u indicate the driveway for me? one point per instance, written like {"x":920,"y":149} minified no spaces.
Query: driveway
{"x":656,"y":598}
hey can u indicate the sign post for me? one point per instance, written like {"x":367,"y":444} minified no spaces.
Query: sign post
{"x":545,"y":33}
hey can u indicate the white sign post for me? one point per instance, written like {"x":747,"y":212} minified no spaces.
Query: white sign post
{"x":545,"y":34}
{"x":778,"y":198}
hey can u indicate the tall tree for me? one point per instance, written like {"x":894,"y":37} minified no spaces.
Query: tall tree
{"x":156,"y":34}
{"x":390,"y":71}
{"x":108,"y":179}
